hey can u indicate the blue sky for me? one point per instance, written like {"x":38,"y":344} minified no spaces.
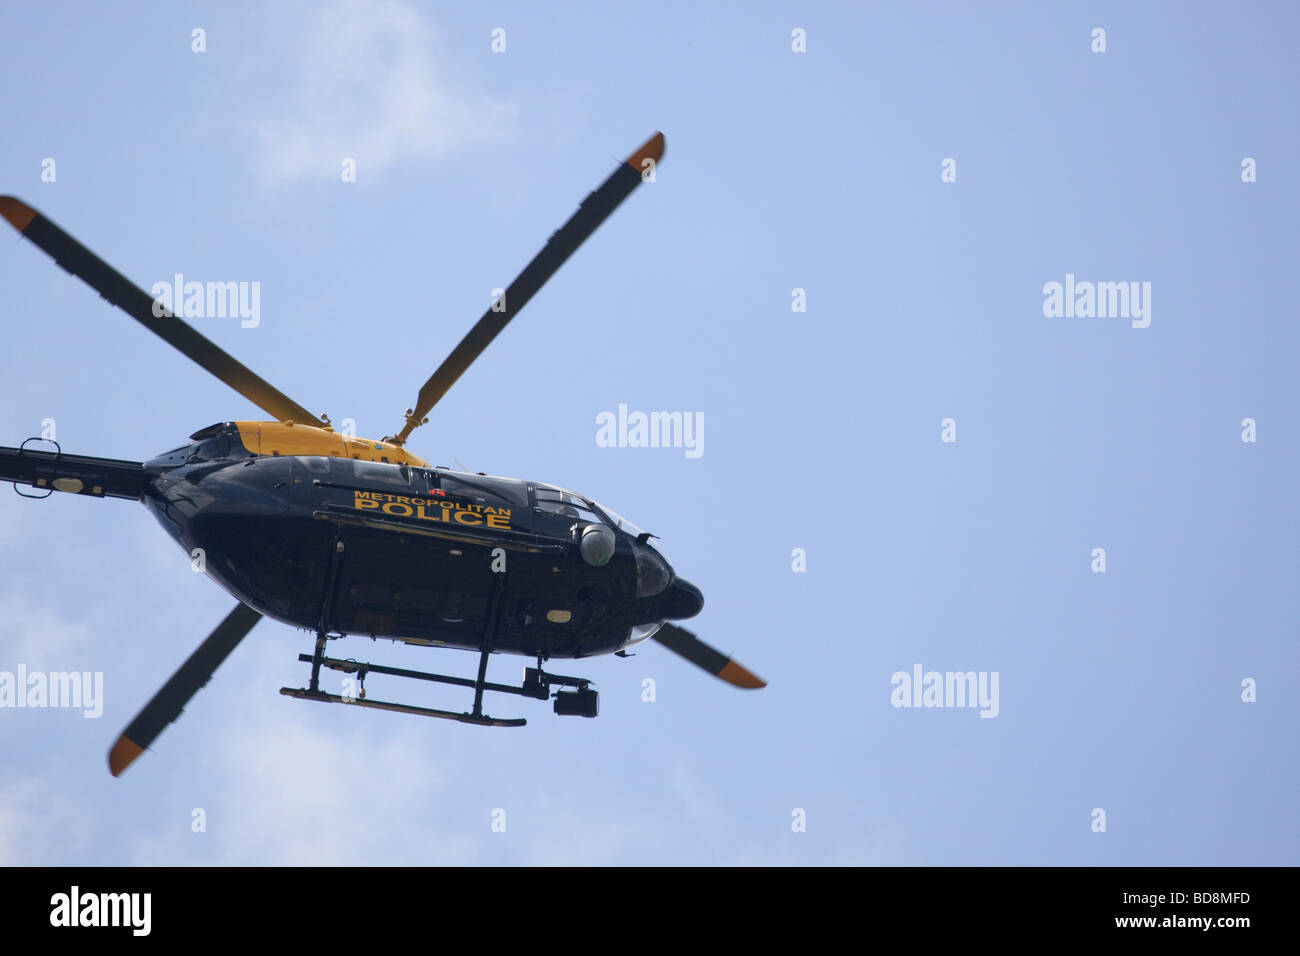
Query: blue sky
{"x":818,"y":171}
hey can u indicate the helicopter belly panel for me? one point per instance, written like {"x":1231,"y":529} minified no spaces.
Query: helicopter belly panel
{"x":432,"y":591}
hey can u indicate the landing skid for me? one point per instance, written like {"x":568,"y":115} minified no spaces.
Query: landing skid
{"x":482,"y":721}
{"x":581,"y":701}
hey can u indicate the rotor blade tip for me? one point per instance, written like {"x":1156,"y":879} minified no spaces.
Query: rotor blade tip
{"x":123,"y":754}
{"x":19,"y":214}
{"x":738,"y":676}
{"x":652,"y":149}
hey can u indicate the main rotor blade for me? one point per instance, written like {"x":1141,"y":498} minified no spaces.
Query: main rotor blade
{"x":683,"y":642}
{"x":168,"y":703}
{"x":593,"y":210}
{"x":79,"y":261}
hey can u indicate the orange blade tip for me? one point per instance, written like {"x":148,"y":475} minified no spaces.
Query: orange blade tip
{"x":652,"y":149}
{"x":738,"y":676}
{"x":19,"y":214}
{"x":123,"y":754}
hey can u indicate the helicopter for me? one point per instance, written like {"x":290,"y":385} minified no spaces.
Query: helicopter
{"x":354,"y":537}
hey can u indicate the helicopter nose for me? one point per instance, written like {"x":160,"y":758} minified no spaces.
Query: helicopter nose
{"x":682,"y":600}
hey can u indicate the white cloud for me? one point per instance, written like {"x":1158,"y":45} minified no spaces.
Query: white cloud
{"x":287,"y":785}
{"x":39,"y":826}
{"x":367,"y":79}
{"x":304,"y":802}
{"x":39,"y":636}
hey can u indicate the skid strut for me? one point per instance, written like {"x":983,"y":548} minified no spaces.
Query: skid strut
{"x":536,"y":682}
{"x":316,"y":659}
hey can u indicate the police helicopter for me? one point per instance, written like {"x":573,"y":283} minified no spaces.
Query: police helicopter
{"x":346,"y":536}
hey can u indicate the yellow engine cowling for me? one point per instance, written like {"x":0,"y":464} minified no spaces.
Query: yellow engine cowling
{"x":290,"y":438}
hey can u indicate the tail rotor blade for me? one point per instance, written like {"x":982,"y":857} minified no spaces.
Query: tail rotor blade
{"x":685,"y":644}
{"x":168,"y":703}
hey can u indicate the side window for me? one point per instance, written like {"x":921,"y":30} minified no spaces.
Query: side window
{"x":562,"y":505}
{"x":492,"y":503}
{"x":485,"y":490}
{"x":315,"y":464}
{"x":379,"y":473}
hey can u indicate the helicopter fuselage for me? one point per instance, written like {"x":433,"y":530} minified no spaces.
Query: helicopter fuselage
{"x":407,"y":552}
{"x":388,"y":549}
{"x":310,"y":542}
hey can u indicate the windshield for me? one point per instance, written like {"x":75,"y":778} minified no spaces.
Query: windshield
{"x":551,"y":498}
{"x":623,"y":524}
{"x":619,"y":520}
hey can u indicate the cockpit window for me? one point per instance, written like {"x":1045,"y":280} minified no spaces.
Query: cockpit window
{"x":623,"y":524}
{"x":619,"y":521}
{"x":566,"y":504}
